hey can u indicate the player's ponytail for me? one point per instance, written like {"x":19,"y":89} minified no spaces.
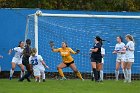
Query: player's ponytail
{"x":130,"y":37}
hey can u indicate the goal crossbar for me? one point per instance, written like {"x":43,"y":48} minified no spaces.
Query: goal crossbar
{"x":88,"y":16}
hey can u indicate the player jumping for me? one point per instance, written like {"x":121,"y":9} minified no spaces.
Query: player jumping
{"x":17,"y":59}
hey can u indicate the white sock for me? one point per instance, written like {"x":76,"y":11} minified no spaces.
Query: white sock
{"x":129,"y":75}
{"x":125,"y":73}
{"x":22,"y":74}
{"x":117,"y":75}
{"x":11,"y":72}
{"x":101,"y":74}
{"x":0,"y":68}
{"x":43,"y":75}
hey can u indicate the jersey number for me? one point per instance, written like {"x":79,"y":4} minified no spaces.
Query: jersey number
{"x":34,"y":62}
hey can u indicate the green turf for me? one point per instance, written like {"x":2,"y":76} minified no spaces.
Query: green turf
{"x":68,"y":86}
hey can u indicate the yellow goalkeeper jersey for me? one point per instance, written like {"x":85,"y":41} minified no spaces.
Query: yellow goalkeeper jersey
{"x":66,"y":54}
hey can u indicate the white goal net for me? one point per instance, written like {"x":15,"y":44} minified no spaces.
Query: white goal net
{"x":79,"y":30}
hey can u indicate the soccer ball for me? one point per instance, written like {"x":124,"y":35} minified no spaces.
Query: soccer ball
{"x":38,"y":13}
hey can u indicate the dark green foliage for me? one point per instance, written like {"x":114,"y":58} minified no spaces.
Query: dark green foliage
{"x":97,"y":5}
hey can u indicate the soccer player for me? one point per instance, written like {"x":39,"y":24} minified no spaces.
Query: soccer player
{"x":96,"y":58}
{"x":120,"y":51}
{"x":25,"y":60}
{"x":38,"y":65}
{"x":102,"y":63}
{"x":68,"y":61}
{"x":130,"y":47}
{"x":17,"y":59}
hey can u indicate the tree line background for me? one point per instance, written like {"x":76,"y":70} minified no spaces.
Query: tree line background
{"x":96,"y":5}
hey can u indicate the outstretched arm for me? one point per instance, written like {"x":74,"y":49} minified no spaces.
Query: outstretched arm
{"x":74,"y":52}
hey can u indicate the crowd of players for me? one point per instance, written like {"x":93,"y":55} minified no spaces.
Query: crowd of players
{"x":34,"y":63}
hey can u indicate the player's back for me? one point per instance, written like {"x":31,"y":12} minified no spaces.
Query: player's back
{"x":36,"y":61}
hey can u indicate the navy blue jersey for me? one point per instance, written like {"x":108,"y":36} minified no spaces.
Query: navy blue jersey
{"x":98,"y":53}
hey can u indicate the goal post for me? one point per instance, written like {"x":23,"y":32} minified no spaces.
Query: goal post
{"x":78,"y":30}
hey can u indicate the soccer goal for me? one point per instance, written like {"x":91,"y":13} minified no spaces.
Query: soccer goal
{"x":79,"y":30}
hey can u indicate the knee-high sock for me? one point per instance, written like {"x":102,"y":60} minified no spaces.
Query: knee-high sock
{"x":22,"y":74}
{"x":95,"y":73}
{"x":101,"y":74}
{"x":125,"y":73}
{"x":61,"y":72}
{"x":129,"y":74}
{"x":98,"y":73}
{"x":43,"y":75}
{"x":79,"y":75}
{"x":117,"y":75}
{"x":11,"y":72}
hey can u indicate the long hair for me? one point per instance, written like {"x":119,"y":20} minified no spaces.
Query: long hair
{"x":130,"y":37}
{"x":19,"y":43}
{"x":99,"y":39}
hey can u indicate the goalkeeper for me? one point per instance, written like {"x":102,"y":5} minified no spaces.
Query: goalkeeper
{"x":68,"y":61}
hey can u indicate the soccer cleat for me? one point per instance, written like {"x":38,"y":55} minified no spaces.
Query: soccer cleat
{"x":129,"y":81}
{"x":83,"y":79}
{"x":44,"y":80}
{"x":28,"y":80}
{"x":63,"y":78}
{"x":10,"y":78}
{"x":125,"y":81}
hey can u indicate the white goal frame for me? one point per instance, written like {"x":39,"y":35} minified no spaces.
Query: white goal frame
{"x":69,"y":16}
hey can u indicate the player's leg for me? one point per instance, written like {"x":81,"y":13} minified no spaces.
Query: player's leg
{"x":27,"y":75}
{"x":125,"y":71}
{"x":37,"y":74}
{"x":118,"y":64}
{"x":12,"y":70}
{"x":43,"y":75}
{"x":93,"y":64}
{"x":59,"y":68}
{"x":99,"y":67}
{"x":129,"y":65}
{"x":22,"y":70}
{"x":73,"y":67}
{"x":101,"y":72}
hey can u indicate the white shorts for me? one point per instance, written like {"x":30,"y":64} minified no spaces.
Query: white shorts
{"x":102,"y":61}
{"x":121,"y":59}
{"x":17,"y":60}
{"x":38,"y":71}
{"x":130,"y":59}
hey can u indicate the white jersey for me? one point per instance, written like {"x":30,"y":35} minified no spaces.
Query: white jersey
{"x":36,"y":61}
{"x":18,"y":52}
{"x":120,"y":47}
{"x":130,"y":45}
{"x":103,"y":53}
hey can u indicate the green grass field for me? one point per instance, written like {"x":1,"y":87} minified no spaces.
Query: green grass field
{"x":68,"y":86}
